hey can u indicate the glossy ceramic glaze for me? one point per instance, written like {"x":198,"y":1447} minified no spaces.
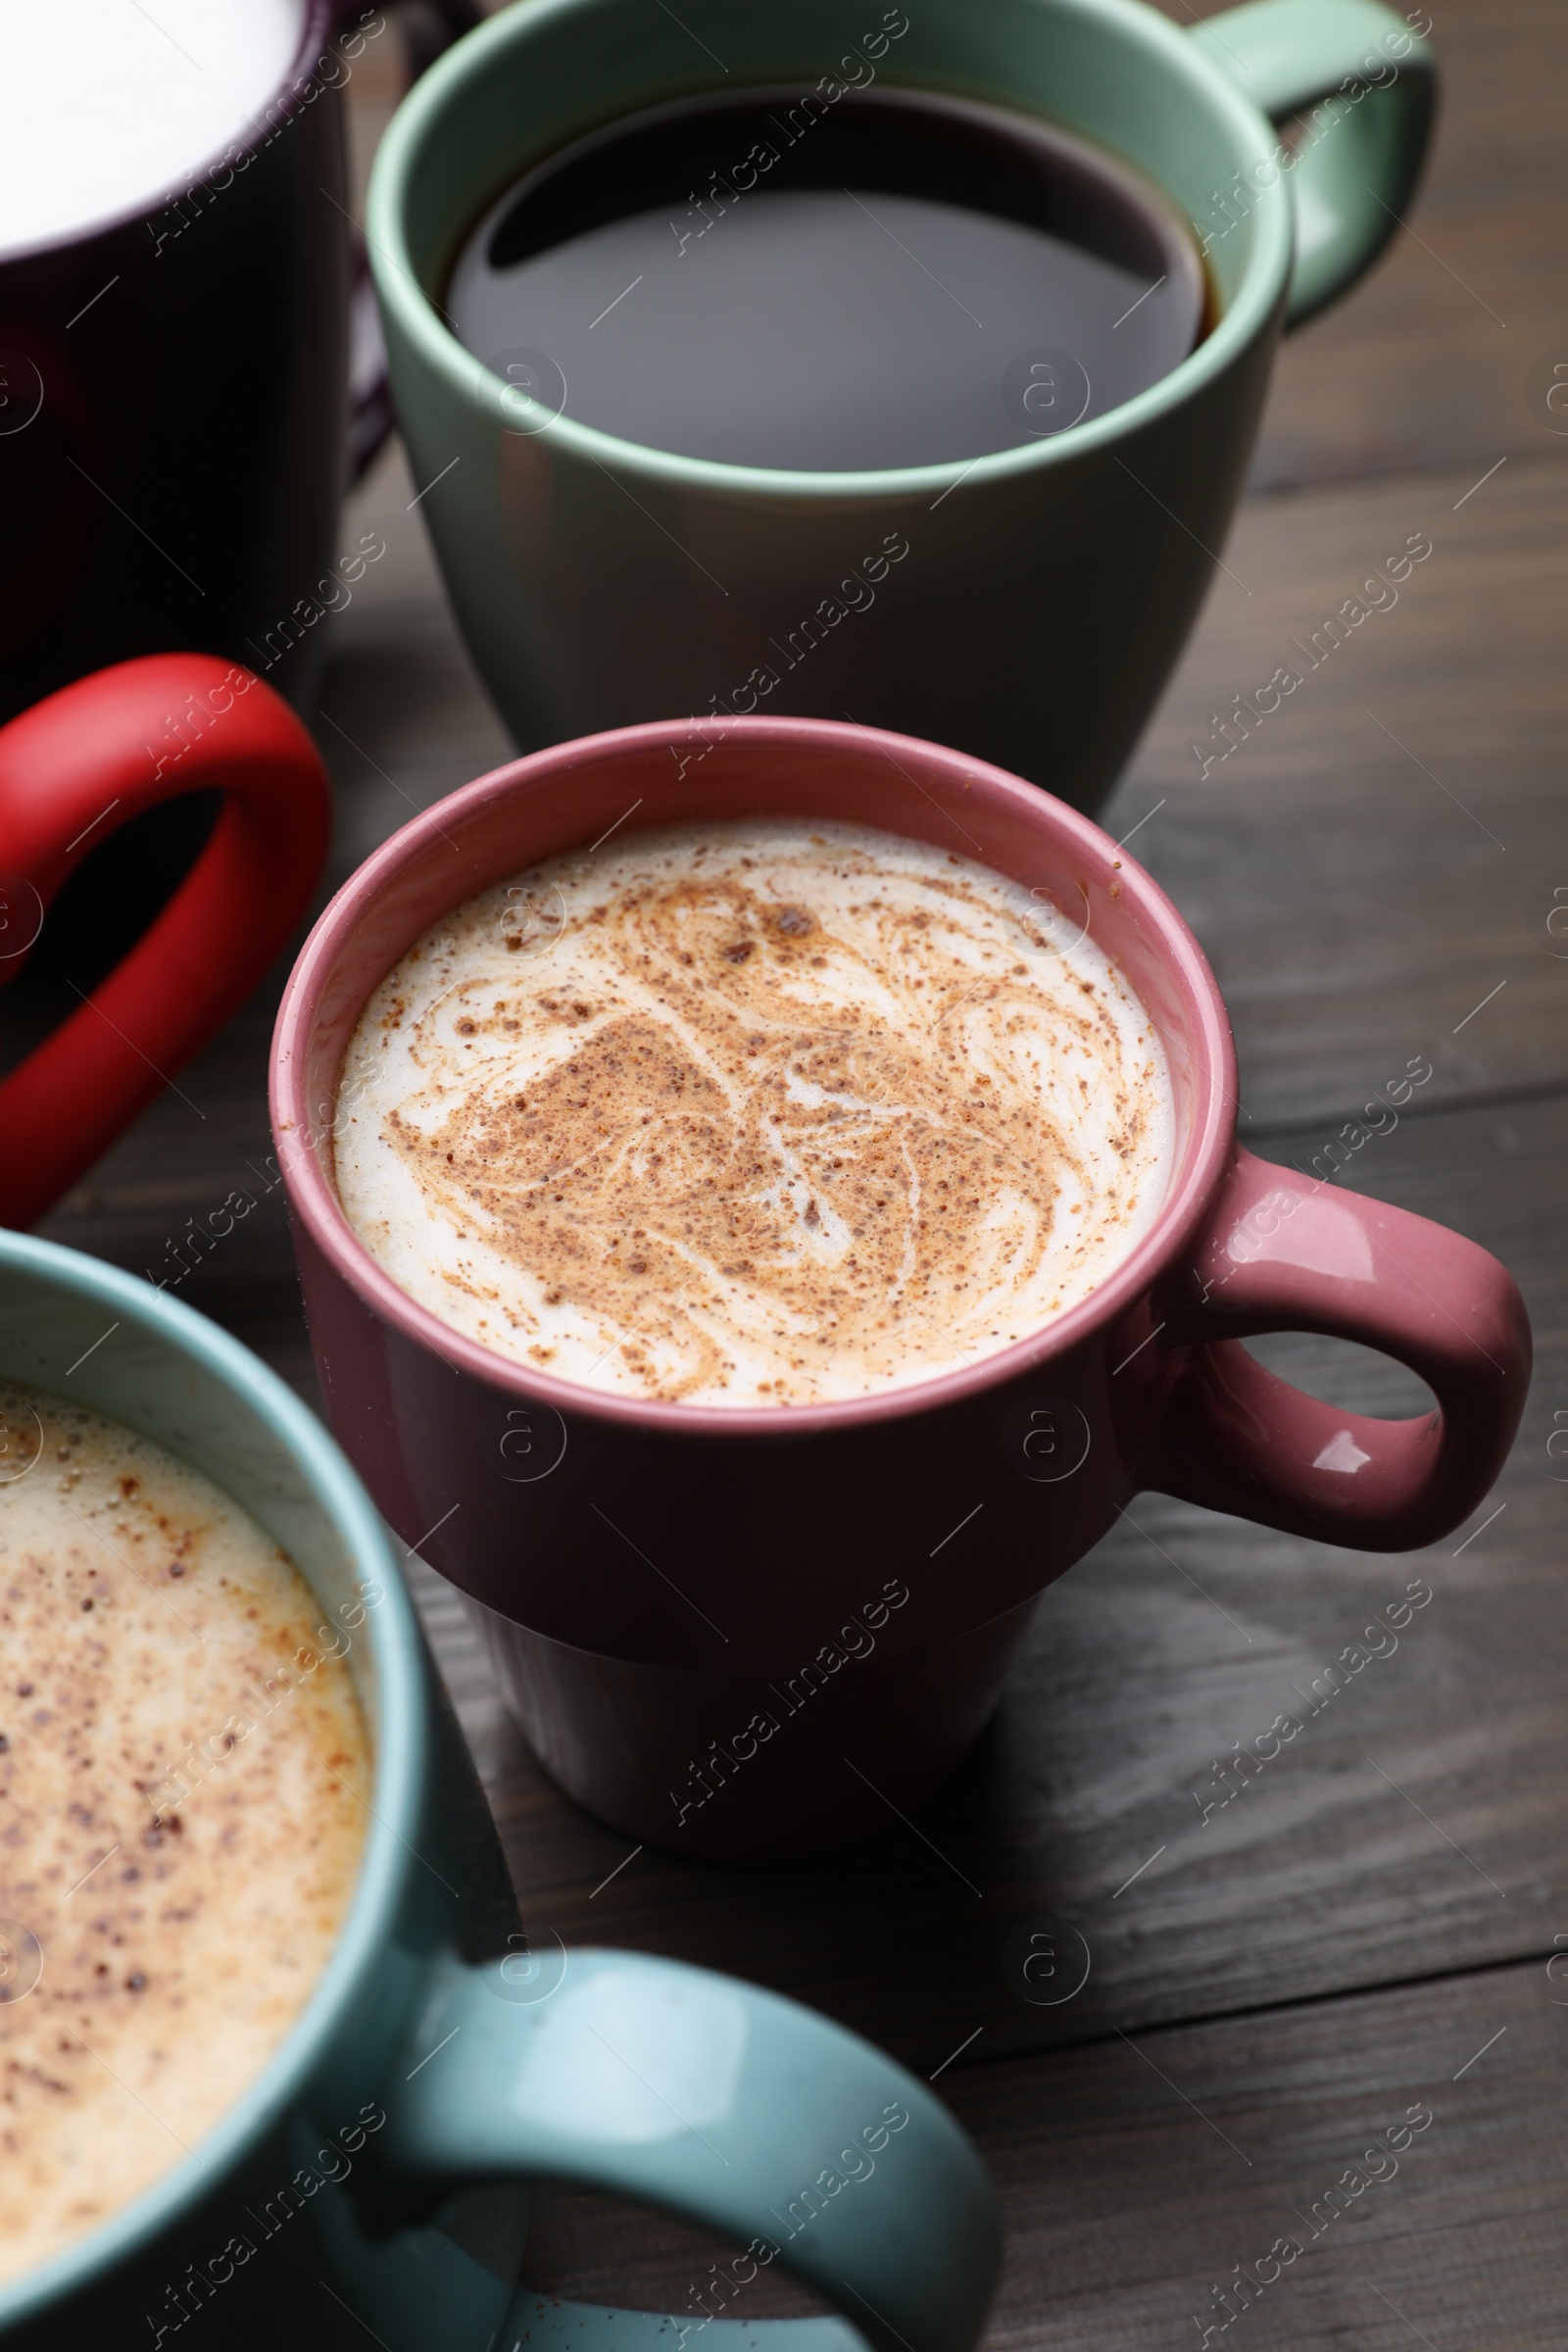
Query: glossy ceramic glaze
{"x":1045,"y":592}
{"x":648,"y":1573}
{"x":181,"y":481}
{"x":73,"y":771}
{"x":448,"y":2052}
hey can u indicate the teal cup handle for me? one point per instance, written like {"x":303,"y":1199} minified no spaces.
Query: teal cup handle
{"x":743,"y":2113}
{"x":419,"y":2092}
{"x":1371,"y":86}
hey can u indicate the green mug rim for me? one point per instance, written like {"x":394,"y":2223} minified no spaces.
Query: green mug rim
{"x":400,"y":1743}
{"x":1261,"y":292}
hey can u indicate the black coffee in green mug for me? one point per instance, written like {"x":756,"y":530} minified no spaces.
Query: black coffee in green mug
{"x":1024,"y":594}
{"x":776,"y":277}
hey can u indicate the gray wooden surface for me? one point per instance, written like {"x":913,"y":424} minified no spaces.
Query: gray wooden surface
{"x":1370,"y":872}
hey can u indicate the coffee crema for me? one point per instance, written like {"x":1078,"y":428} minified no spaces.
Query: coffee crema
{"x":758,"y":1113}
{"x":184,"y":1772}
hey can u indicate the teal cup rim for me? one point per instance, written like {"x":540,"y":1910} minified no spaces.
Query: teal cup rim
{"x":423,"y":112}
{"x":399,"y":1739}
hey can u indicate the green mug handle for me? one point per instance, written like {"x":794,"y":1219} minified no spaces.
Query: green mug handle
{"x":1373,"y":82}
{"x":741,"y":2112}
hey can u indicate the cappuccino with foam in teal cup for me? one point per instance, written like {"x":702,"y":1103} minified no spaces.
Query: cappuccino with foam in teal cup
{"x":222,"y":1605}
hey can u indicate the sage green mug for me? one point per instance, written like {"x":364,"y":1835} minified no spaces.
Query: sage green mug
{"x":1026,"y":607}
{"x":450,"y":2053}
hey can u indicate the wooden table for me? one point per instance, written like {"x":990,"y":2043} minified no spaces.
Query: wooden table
{"x":1368,"y":1927}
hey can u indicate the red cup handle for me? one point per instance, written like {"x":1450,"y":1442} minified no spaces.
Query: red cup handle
{"x":71,"y":770}
{"x":1287,"y":1253}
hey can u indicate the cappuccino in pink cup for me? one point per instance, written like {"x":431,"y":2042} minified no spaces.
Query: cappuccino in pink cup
{"x":765,"y":1203}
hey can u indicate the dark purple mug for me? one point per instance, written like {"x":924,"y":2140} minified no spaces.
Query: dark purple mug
{"x":176,"y":422}
{"x":746,"y":1632}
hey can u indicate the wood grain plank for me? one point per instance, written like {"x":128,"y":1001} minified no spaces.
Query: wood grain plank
{"x":1363,"y":866}
{"x":1340,"y":866}
{"x":1417,"y":1820}
{"x":1424,"y":365}
{"x":1350,"y":911}
{"x":1354,"y":911}
{"x":1133,"y":1683}
{"x":1136,"y":2177}
{"x":1456,"y":690}
{"x":1372,"y":858}
{"x":401,"y":720}
{"x":1145,"y":1666}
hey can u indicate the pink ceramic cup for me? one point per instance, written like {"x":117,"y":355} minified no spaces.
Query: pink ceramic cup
{"x":746,"y":1633}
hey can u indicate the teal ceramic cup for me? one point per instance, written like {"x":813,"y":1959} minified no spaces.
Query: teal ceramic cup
{"x":1026,"y":607}
{"x":450,"y":2053}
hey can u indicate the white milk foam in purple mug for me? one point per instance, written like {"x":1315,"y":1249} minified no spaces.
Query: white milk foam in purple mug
{"x":107,"y":107}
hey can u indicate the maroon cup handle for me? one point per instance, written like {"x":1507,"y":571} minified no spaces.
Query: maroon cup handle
{"x":1286,"y":1252}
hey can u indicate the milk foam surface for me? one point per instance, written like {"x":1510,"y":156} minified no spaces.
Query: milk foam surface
{"x":753,"y":1114}
{"x":103,"y":105}
{"x":143,"y":1615}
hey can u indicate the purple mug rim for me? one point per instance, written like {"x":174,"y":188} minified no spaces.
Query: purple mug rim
{"x":317,"y":29}
{"x":314,"y":1200}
